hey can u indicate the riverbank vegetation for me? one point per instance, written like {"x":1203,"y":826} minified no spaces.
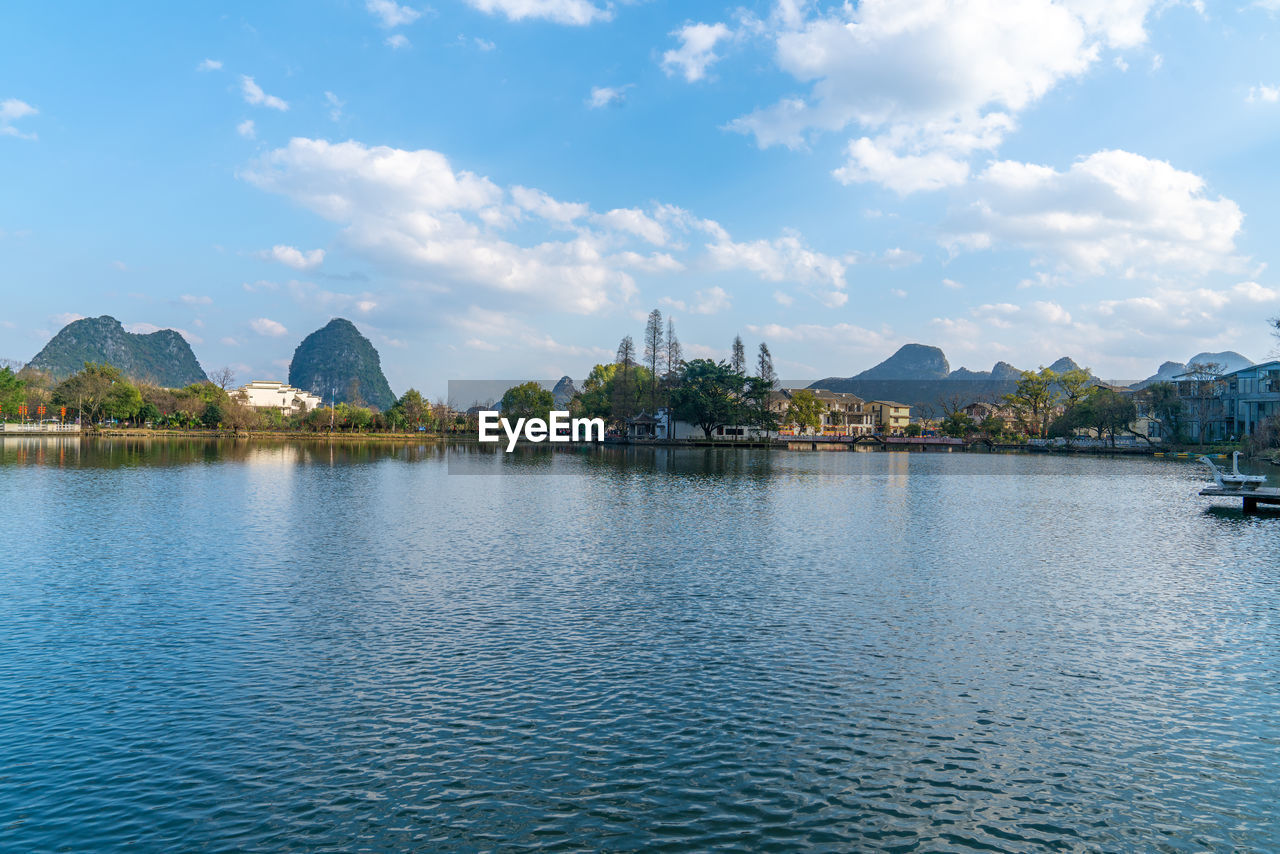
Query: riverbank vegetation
{"x":101,"y":397}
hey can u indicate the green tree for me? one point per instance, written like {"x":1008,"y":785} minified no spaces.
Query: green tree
{"x":993,"y":426}
{"x":605,"y":394}
{"x":958,"y":424}
{"x":805,"y":410}
{"x":1111,"y":412}
{"x":914,"y":430}
{"x":13,"y":391}
{"x":754,"y":407}
{"x":527,"y":400}
{"x":88,"y":391}
{"x":123,"y":401}
{"x":212,"y":416}
{"x":413,"y":407}
{"x":707,"y":394}
{"x":1073,"y":385}
{"x":1034,"y":399}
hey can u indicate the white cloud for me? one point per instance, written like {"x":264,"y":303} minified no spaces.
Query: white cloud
{"x":710,"y":301}
{"x":268,"y":327}
{"x":391,"y":14}
{"x":483,"y":44}
{"x":492,"y":331}
{"x":603,"y":96}
{"x":247,"y":129}
{"x":634,"y":221}
{"x":397,"y":41}
{"x":783,"y":298}
{"x":843,"y":337}
{"x":1112,"y":212}
{"x":898,"y":292}
{"x":540,"y":204}
{"x":291,"y":257}
{"x":870,"y":160}
{"x":11,"y":109}
{"x":65,"y":318}
{"x":254,"y":95}
{"x":413,"y":212}
{"x":1122,"y":338}
{"x":1264,"y":93}
{"x":952,"y":284}
{"x":899,"y":257}
{"x":577,"y":13}
{"x":210,"y":65}
{"x":784,"y":259}
{"x":696,"y":52}
{"x":930,"y":83}
{"x":228,"y":341}
{"x":335,"y":106}
{"x":192,"y":299}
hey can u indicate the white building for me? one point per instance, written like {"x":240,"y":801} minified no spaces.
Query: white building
{"x":272,"y":394}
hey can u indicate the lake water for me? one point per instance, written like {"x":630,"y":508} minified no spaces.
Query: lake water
{"x":267,"y":647}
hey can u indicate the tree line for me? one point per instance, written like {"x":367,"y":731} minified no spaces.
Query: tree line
{"x":655,"y":376}
{"x":100,"y":393}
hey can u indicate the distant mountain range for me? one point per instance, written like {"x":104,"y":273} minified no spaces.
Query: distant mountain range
{"x":921,"y":376}
{"x":162,"y":357}
{"x":1228,"y":361}
{"x":334,"y":357}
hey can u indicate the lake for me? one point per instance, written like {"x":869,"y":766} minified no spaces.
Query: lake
{"x":255,"y":646}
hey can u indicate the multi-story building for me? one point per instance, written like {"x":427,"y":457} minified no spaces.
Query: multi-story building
{"x":890,"y":418}
{"x":272,"y":394}
{"x":1250,"y":396}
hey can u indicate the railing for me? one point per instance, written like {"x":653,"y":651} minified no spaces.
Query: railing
{"x":13,"y":427}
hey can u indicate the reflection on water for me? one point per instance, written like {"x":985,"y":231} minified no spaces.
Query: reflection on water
{"x":309,"y":646}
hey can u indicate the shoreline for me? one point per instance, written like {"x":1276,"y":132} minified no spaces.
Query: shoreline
{"x":790,"y":444}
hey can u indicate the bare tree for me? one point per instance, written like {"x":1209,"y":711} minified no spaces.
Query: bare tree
{"x":764,"y":365}
{"x":223,"y":378}
{"x":674,"y":354}
{"x":1200,"y":387}
{"x":624,"y":393}
{"x":654,"y":352}
{"x":738,"y":358}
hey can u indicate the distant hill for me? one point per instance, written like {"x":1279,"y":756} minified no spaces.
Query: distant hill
{"x":162,"y":357}
{"x":563,"y":392}
{"x":920,"y":376}
{"x":1230,"y":361}
{"x":337,"y":360}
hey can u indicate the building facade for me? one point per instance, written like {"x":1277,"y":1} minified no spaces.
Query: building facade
{"x":271,"y":394}
{"x":890,"y":418}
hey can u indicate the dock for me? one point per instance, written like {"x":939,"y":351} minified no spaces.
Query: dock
{"x":1251,"y":497}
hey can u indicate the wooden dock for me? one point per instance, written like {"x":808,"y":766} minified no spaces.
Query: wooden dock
{"x":1251,"y":497}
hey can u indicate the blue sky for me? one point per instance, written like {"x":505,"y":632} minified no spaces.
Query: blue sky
{"x":498,"y":188}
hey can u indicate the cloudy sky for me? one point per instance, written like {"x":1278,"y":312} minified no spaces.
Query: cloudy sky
{"x":502,"y":188}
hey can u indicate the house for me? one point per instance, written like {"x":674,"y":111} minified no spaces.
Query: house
{"x":1250,"y":396}
{"x":890,"y":418}
{"x":844,"y":414}
{"x":272,"y":394}
{"x":981,"y":410}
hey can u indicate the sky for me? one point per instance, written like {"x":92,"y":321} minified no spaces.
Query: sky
{"x":505,"y":188}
